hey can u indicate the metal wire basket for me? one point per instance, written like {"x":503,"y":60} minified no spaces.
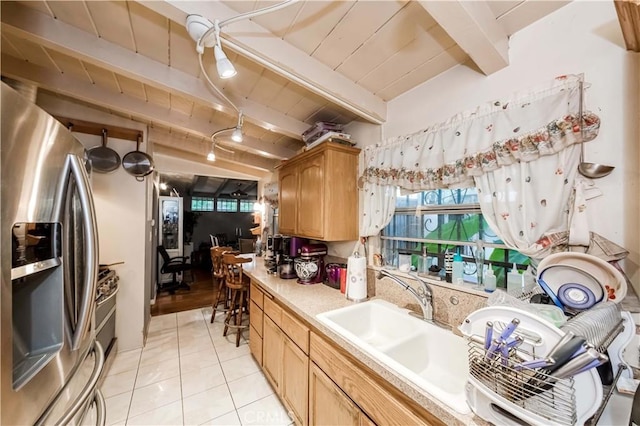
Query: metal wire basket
{"x":531,"y":390}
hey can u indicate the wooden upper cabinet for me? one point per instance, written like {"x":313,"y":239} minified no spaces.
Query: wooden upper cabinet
{"x":288,"y":202}
{"x":318,"y":194}
{"x":311,"y":197}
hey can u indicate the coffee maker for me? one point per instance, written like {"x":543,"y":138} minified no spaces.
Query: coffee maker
{"x":310,"y":265}
{"x":271,"y":259}
{"x":285,"y":263}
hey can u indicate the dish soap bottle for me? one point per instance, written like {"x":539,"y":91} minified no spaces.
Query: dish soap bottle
{"x":515,"y":282}
{"x":489,"y":280}
{"x":457,"y":271}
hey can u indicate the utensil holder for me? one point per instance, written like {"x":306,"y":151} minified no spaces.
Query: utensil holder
{"x":531,"y":395}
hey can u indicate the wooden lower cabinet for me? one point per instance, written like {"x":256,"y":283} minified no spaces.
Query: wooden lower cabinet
{"x":328,"y":405}
{"x":255,"y":344}
{"x":295,"y":381}
{"x":272,"y":353}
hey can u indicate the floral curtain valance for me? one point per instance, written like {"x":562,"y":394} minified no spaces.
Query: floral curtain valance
{"x":541,"y":122}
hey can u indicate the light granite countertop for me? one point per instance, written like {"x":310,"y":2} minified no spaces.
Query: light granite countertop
{"x":310,"y":300}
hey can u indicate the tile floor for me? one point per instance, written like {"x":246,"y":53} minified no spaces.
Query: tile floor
{"x":189,"y":374}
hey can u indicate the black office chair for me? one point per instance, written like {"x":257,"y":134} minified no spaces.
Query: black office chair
{"x":173,"y":265}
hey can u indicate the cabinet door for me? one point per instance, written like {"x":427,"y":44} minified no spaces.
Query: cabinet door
{"x":255,"y":344}
{"x":288,"y":200}
{"x":295,"y":381}
{"x":328,"y":405}
{"x":311,"y":198}
{"x":272,"y":352}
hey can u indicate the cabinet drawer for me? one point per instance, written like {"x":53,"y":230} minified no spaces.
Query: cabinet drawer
{"x":273,"y":310}
{"x":296,"y":331}
{"x":255,"y":345}
{"x":257,"y":296}
{"x":256,"y":317}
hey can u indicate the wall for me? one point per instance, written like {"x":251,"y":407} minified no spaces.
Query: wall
{"x":121,"y":209}
{"x":582,"y":37}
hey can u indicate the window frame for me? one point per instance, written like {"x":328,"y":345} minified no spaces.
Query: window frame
{"x":500,"y":266}
{"x":201,"y":199}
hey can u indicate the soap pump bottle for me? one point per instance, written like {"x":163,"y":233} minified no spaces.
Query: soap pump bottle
{"x":489,"y":280}
{"x":515,"y":281}
{"x":457,"y":271}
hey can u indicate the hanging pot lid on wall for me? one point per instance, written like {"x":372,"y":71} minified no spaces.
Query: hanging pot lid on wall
{"x":103,"y":159}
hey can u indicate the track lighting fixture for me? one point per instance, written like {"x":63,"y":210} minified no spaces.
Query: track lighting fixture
{"x":207,"y":34}
{"x":236,"y":136}
{"x":211,"y":156}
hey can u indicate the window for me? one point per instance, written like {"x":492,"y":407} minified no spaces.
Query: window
{"x":226,"y":205}
{"x":448,"y":220}
{"x":201,"y":204}
{"x":246,"y":206}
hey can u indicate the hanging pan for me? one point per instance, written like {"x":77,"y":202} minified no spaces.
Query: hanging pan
{"x":103,"y":159}
{"x":138,"y":163}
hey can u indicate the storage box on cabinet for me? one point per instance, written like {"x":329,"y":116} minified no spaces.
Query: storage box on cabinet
{"x":312,"y":185}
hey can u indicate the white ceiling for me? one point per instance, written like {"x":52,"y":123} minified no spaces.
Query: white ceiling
{"x":312,"y":61}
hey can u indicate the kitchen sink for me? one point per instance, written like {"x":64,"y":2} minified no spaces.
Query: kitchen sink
{"x":431,"y":357}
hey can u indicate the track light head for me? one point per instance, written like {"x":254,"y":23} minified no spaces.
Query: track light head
{"x":236,"y":136}
{"x":223,"y":64}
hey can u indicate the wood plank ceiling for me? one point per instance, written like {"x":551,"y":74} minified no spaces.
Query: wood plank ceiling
{"x":312,"y":61}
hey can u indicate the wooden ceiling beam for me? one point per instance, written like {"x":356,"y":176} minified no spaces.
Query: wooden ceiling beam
{"x":629,"y":16}
{"x":39,"y":28}
{"x":473,"y":27}
{"x":251,"y":40}
{"x":160,"y":137}
{"x":219,"y":168}
{"x":93,"y":94}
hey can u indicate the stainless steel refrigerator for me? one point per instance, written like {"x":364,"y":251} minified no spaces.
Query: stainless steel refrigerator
{"x":50,"y":361}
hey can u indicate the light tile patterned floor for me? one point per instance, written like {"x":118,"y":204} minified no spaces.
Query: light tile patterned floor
{"x":189,"y":374}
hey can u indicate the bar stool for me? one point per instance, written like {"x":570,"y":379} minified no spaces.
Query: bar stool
{"x":238,"y":283}
{"x":217,"y":275}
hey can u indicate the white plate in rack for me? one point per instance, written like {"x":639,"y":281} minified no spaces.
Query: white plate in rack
{"x":605,"y":273}
{"x":540,"y":336}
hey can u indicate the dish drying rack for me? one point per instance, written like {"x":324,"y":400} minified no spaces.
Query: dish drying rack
{"x":501,"y":385}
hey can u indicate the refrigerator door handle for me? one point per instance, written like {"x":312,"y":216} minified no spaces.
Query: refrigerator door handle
{"x":91,"y":236}
{"x":101,"y":408}
{"x":89,"y":389}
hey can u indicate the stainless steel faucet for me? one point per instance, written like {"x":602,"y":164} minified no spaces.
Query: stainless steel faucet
{"x":424,"y":295}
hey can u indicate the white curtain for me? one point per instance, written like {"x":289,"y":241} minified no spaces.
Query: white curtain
{"x":521,"y":153}
{"x":379,"y":206}
{"x":525,"y":202}
{"x":449,"y":155}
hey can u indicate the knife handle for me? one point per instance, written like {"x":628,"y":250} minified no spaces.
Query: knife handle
{"x":488,"y":335}
{"x":535,"y":363}
{"x":495,"y":347}
{"x":509,"y":329}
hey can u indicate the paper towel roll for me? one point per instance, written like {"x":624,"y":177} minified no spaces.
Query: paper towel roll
{"x":357,"y":278}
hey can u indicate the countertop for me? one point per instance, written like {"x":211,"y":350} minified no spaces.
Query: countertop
{"x":307,"y":301}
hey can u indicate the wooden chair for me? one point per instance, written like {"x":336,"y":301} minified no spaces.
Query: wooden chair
{"x":217,"y":275}
{"x":238,"y":283}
